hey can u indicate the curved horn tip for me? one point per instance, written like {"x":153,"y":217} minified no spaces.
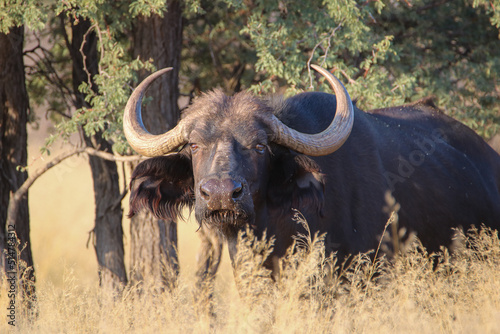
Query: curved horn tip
{"x":321,"y":70}
{"x":164,"y":70}
{"x":317,"y":68}
{"x":153,"y":76}
{"x":330,"y":139}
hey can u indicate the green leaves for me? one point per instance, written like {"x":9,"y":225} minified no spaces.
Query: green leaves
{"x":107,"y":104}
{"x":386,"y":53}
{"x":492,"y":8}
{"x":148,"y":7}
{"x":14,"y":13}
{"x":106,"y":92}
{"x":337,"y":34}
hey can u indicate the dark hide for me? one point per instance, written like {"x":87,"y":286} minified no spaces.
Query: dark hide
{"x":162,"y":185}
{"x":296,"y":182}
{"x":441,"y":172}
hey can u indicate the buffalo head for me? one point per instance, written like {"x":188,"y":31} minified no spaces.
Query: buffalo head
{"x":232,"y":158}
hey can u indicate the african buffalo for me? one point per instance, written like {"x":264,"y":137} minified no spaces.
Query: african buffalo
{"x":244,"y":160}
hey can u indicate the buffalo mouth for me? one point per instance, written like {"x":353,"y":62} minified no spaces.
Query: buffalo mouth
{"x":228,"y":222}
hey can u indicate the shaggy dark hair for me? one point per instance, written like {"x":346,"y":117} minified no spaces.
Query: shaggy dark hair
{"x":163,"y":185}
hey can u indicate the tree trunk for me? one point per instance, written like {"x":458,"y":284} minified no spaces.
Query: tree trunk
{"x":160,"y":39}
{"x":108,"y":232}
{"x":13,"y":153}
{"x":153,"y":242}
{"x":207,"y":261}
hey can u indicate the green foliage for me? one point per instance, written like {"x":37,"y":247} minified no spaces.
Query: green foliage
{"x":148,"y":7}
{"x":14,"y":13}
{"x":386,"y":52}
{"x":193,"y":7}
{"x":216,"y":54}
{"x":451,"y":51}
{"x":492,"y":8}
{"x":335,"y":34}
{"x":116,"y":70}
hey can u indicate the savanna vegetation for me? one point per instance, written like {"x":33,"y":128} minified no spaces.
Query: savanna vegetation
{"x":71,"y":65}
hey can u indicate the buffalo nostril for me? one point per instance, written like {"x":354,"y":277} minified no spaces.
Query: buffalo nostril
{"x":221,"y":194}
{"x":237,"y":190}
{"x":204,"y":192}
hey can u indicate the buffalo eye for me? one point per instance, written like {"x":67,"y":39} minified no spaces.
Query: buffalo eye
{"x":260,"y":148}
{"x":194,"y":147}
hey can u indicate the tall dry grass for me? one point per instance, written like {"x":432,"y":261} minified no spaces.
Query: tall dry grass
{"x":415,"y":292}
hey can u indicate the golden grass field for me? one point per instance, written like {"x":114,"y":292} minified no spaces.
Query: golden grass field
{"x":409,"y":295}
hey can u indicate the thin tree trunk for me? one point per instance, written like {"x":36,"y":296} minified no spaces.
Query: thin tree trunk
{"x":108,"y":232}
{"x":153,"y":251}
{"x":13,"y":153}
{"x":153,"y":254}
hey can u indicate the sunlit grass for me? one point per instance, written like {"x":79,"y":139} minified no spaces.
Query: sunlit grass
{"x":415,"y":292}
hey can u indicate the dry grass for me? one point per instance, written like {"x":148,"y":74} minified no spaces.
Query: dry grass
{"x":415,"y":293}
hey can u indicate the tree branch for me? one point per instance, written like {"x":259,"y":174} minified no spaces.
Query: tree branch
{"x":16,"y":196}
{"x":112,"y":157}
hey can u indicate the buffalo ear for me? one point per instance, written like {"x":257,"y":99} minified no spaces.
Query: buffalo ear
{"x":296,"y":183}
{"x":163,"y":185}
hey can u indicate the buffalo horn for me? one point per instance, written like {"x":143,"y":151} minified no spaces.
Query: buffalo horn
{"x":327,"y":141}
{"x":138,"y":137}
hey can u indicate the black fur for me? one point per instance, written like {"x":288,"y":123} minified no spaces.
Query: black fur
{"x":289,"y":169}
{"x":163,"y":185}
